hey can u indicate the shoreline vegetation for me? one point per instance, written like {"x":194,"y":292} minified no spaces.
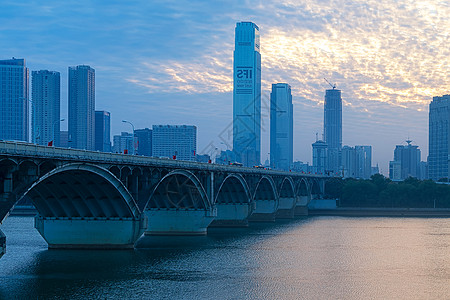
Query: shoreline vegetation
{"x":381,"y":192}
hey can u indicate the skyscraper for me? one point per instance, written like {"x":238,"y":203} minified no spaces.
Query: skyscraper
{"x":281,"y":127}
{"x":178,"y":140}
{"x":247,"y":94}
{"x":82,"y":107}
{"x":408,"y":157}
{"x":356,"y":161}
{"x":123,"y":143}
{"x":320,"y":157}
{"x":102,"y":131}
{"x":144,"y":141}
{"x":438,"y":137}
{"x":14,"y":97}
{"x":46,"y":97}
{"x":333,"y":128}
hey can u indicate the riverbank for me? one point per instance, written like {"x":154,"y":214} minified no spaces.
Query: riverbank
{"x":382,"y":212}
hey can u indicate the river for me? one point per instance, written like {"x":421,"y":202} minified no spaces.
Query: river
{"x":309,"y":258}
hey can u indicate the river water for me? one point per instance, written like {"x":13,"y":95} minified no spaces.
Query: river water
{"x":310,"y":258}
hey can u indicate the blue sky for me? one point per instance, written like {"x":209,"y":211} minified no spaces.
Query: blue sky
{"x":170,"y":62}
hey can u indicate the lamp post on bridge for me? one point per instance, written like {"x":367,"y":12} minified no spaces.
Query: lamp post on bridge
{"x":125,"y":121}
{"x":53,"y":129}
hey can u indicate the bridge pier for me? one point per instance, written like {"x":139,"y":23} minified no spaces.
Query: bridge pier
{"x":265,"y":211}
{"x":89,"y":233}
{"x":301,"y":208}
{"x":232,"y":215}
{"x":178,"y":221}
{"x":2,"y":244}
{"x":286,"y":208}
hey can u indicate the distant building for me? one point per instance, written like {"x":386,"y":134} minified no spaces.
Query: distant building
{"x":333,"y":128}
{"x":123,"y":143}
{"x":395,"y":170}
{"x":375,"y":170}
{"x":320,"y":157}
{"x":102,"y":131}
{"x":174,"y":140}
{"x":408,"y":157}
{"x":203,"y":158}
{"x":438,"y":138}
{"x":64,"y":139}
{"x":225,"y":157}
{"x":46,"y":99}
{"x":356,"y":162}
{"x":423,"y":166}
{"x":144,"y":141}
{"x":82,"y":107}
{"x":14,"y":97}
{"x":247,"y":94}
{"x":281,"y":127}
{"x":301,"y":167}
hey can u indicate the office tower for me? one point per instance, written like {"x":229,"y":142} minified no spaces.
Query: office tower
{"x":438,"y":137}
{"x":14,"y":87}
{"x":333,"y":127}
{"x":320,"y":157}
{"x":408,"y":158}
{"x":45,"y":116}
{"x":174,"y":140}
{"x":356,"y":162}
{"x":247,"y":94}
{"x":123,"y":143}
{"x":82,"y":107}
{"x":281,"y":127}
{"x":64,"y":139}
{"x":144,"y":141}
{"x":102,"y":131}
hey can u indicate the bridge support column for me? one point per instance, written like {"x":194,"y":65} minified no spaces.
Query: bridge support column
{"x":286,"y":208}
{"x":2,"y":244}
{"x":232,"y":215}
{"x":90,"y":233}
{"x":178,"y":222}
{"x":265,"y":211}
{"x":301,"y":208}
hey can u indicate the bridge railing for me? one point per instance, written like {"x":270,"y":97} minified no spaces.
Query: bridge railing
{"x":33,"y":150}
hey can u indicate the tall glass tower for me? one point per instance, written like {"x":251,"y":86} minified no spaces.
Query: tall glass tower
{"x":281,"y":127}
{"x":45,"y":107}
{"x":333,"y":128}
{"x":247,"y":94}
{"x":14,"y":97}
{"x":438,"y":143}
{"x":82,"y":107}
{"x":102,"y":131}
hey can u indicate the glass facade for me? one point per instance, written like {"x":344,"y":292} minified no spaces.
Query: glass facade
{"x":247,"y":94}
{"x":281,"y":127}
{"x":102,"y":131}
{"x":438,"y":158}
{"x":178,"y":140}
{"x":46,"y":97}
{"x":14,"y":97}
{"x":333,"y":128}
{"x":82,"y":107}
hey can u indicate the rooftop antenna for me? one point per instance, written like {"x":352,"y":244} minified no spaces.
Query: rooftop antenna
{"x":317,"y":136}
{"x":332,"y":85}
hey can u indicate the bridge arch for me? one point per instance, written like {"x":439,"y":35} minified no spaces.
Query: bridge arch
{"x":287,"y":188}
{"x":179,"y":189}
{"x":266,"y":200}
{"x":233,"y":189}
{"x":80,"y":190}
{"x":303,"y":192}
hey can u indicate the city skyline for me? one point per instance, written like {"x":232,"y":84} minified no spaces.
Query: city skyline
{"x":385,"y":89}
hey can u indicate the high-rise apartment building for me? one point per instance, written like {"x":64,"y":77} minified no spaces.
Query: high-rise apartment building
{"x":102,"y":131}
{"x":281,"y":127}
{"x":174,"y":140}
{"x":438,"y":138}
{"x":333,"y":127}
{"x":123,"y":143}
{"x":408,"y":159}
{"x":320,"y":157}
{"x":247,"y":94}
{"x":14,"y":97}
{"x":144,"y":141}
{"x":356,"y":162}
{"x":46,"y":106}
{"x":82,"y":107}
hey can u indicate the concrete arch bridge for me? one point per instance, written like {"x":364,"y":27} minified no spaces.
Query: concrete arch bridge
{"x":88,"y":199}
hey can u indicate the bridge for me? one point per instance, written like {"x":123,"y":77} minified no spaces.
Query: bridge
{"x":88,"y":199}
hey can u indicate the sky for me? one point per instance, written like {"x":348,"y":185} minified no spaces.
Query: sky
{"x":170,"y":62}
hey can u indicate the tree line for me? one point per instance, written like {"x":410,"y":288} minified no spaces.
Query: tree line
{"x":379,"y":191}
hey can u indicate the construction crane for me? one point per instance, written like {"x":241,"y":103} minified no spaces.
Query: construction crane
{"x":332,"y":85}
